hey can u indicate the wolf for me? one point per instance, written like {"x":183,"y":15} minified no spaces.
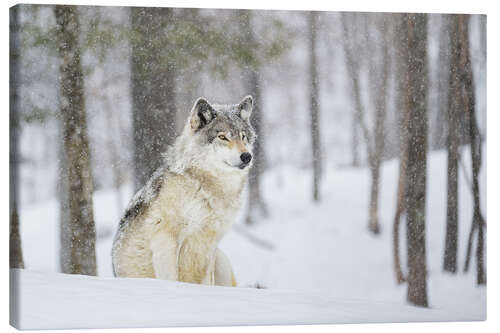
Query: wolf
{"x":172,"y":226}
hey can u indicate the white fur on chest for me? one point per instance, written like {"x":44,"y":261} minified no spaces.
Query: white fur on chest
{"x":187,"y":205}
{"x":201,"y":211}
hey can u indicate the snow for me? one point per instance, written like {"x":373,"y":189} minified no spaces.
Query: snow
{"x":55,"y":301}
{"x":323,"y":267}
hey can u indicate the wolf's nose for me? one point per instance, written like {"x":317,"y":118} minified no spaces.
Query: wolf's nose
{"x":246,"y":157}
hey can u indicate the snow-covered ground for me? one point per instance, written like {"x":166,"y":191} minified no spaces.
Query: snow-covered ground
{"x":323,"y":266}
{"x":54,"y":301}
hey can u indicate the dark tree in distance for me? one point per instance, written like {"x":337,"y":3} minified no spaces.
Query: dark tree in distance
{"x":417,"y":157}
{"x":256,"y":205}
{"x":469,"y":101}
{"x":15,"y":249}
{"x":76,"y":146}
{"x":312,"y":22}
{"x":454,"y":108}
{"x":153,"y":90}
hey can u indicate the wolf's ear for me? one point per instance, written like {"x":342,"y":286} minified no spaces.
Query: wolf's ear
{"x":245,"y":107}
{"x":201,"y":114}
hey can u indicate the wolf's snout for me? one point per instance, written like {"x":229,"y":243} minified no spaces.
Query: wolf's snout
{"x":246,"y":157}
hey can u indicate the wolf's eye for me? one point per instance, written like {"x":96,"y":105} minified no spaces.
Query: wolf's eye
{"x":223,"y":137}
{"x":243,"y":136}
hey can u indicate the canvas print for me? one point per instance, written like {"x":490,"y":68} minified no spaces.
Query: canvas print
{"x":200,"y":167}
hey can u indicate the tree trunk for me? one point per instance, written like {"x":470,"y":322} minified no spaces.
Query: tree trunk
{"x":314,"y":105}
{"x":256,"y":205}
{"x":440,"y":128}
{"x":64,"y":213}
{"x":373,"y":224}
{"x":352,"y":65}
{"x":16,"y":253}
{"x":401,"y":32}
{"x":153,"y":91}
{"x":76,"y":146}
{"x":354,"y":141}
{"x":380,"y":85}
{"x":400,"y":208}
{"x":417,"y":158}
{"x":478,"y":222}
{"x":454,"y":93}
{"x":379,"y":75}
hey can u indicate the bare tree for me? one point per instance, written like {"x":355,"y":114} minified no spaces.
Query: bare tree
{"x":417,"y":157}
{"x":469,"y":100}
{"x":378,"y":68}
{"x":379,"y":82}
{"x":153,"y":90}
{"x":312,"y":22}
{"x":353,"y":63}
{"x":454,"y":105}
{"x":76,"y":146}
{"x":16,"y":253}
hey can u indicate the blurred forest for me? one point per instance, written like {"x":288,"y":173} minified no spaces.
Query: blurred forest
{"x":98,"y":93}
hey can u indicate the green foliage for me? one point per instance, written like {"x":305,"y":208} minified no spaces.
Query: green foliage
{"x":216,"y":38}
{"x":259,"y":41}
{"x":187,"y":39}
{"x":187,"y":36}
{"x":36,"y":31}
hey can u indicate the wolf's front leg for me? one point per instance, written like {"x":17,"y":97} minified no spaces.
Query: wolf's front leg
{"x":165,"y":258}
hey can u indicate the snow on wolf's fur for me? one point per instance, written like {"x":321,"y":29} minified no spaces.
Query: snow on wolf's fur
{"x":172,"y":226}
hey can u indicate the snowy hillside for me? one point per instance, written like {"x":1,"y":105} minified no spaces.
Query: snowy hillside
{"x":48,"y":300}
{"x":322,"y":249}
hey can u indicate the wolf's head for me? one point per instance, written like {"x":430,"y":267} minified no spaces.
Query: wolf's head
{"x":218,"y":137}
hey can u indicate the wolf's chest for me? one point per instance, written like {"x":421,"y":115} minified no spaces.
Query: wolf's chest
{"x":205,"y":214}
{"x":189,"y":209}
